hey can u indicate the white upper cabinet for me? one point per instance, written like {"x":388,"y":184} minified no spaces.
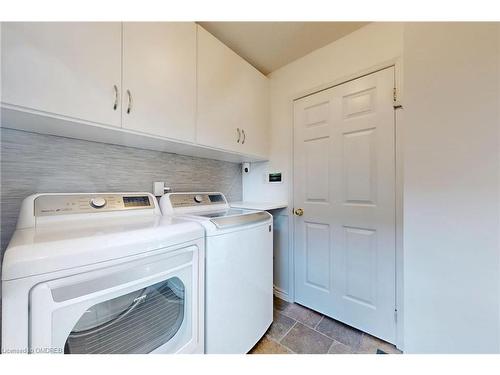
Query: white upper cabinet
{"x":65,"y":69}
{"x":167,"y":86}
{"x":159,"y":79}
{"x":232,"y":100}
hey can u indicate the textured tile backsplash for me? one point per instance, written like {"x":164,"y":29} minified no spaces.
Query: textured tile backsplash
{"x":34,"y":163}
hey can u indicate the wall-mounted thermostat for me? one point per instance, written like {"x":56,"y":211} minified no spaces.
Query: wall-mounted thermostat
{"x":274,"y":178}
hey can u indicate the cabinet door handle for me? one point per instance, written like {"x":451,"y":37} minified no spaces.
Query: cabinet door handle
{"x":239,"y":135}
{"x":244,"y":136}
{"x":129,"y":107}
{"x":115,"y":106}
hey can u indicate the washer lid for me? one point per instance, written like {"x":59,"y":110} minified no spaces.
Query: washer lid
{"x":227,"y":221}
{"x":51,"y":248}
{"x":222,"y":213}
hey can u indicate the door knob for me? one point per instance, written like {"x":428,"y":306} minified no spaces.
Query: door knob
{"x":299,"y":212}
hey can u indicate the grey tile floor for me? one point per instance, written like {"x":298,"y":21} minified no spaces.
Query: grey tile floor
{"x":299,"y":330}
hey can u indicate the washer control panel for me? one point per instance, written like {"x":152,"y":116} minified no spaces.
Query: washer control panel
{"x":178,"y":200}
{"x":49,"y":205}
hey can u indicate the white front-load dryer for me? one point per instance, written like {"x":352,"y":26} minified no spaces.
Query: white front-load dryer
{"x":102,"y":273}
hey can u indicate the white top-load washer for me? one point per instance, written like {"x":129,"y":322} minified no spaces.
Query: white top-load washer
{"x":102,"y":273}
{"x":238,"y":269}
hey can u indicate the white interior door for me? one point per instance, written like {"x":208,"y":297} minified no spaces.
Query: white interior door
{"x":344,"y":167}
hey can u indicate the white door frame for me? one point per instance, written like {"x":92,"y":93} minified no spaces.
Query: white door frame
{"x":399,"y":266}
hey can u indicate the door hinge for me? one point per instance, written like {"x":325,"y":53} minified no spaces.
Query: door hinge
{"x":396,"y":315}
{"x":395,"y":100}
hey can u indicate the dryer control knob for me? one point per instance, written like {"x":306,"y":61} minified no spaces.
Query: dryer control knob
{"x":198,"y":198}
{"x":98,"y":202}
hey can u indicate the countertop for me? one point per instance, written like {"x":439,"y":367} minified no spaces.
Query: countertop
{"x":261,"y":206}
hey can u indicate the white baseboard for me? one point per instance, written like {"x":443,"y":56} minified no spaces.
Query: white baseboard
{"x":280,"y":293}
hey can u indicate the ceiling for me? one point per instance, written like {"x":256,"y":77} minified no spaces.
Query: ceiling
{"x":271,"y":45}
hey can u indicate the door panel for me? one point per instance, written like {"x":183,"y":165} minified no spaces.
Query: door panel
{"x":159,"y":70}
{"x":316,"y":169}
{"x":359,"y":103}
{"x":70,"y":69}
{"x":344,"y":168}
{"x":360,"y":248}
{"x":317,"y":251}
{"x":358,"y":163}
{"x":316,"y":115}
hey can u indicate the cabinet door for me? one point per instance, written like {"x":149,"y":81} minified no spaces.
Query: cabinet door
{"x":232,"y":95}
{"x":256,"y":101}
{"x":159,"y":78}
{"x":68,"y":69}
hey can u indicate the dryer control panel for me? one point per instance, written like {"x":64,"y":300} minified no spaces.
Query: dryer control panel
{"x":63,"y":204}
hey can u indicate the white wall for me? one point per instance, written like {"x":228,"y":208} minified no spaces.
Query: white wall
{"x":367,"y":47}
{"x":498,"y":79}
{"x":451,"y":188}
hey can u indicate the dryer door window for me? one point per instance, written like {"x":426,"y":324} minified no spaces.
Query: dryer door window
{"x":137,"y":322}
{"x":148,"y":306}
